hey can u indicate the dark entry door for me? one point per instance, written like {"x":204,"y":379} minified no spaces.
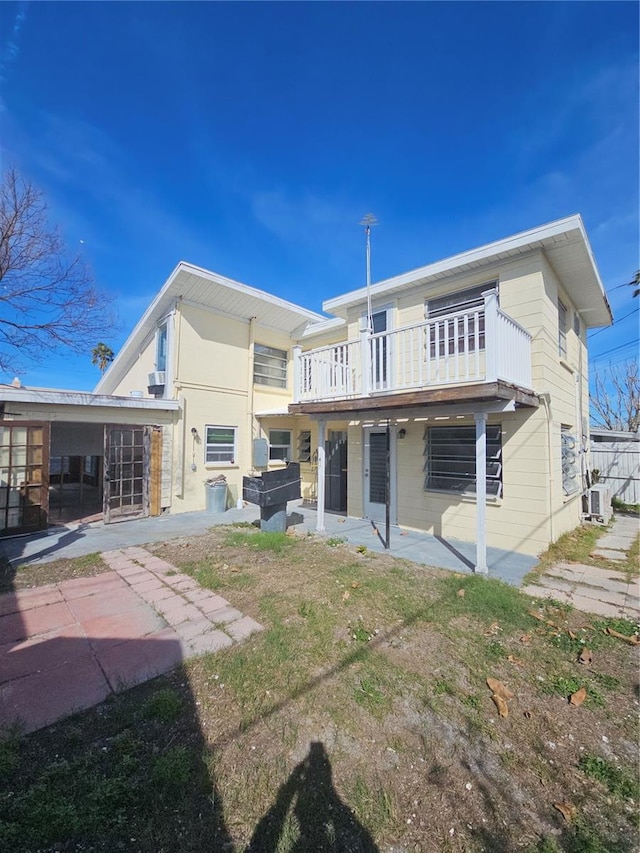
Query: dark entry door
{"x":335,"y":488}
{"x":126,"y":472}
{"x":24,"y":477}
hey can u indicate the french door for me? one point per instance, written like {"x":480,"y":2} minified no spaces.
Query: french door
{"x":126,"y":472}
{"x":24,"y":477}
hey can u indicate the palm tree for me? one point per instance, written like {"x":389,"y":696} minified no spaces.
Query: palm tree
{"x":101,"y":356}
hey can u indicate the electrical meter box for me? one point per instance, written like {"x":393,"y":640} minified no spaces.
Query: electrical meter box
{"x":260,"y":453}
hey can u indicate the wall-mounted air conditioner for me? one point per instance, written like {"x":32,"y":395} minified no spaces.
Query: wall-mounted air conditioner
{"x":157,"y":378}
{"x":599,"y":497}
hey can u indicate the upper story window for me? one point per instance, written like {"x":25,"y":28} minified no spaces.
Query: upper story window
{"x":577,"y":327}
{"x":161,"y":347}
{"x":460,"y":302}
{"x":562,"y":329}
{"x":269,"y":366}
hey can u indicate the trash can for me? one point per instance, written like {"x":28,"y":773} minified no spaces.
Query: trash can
{"x":216,"y":495}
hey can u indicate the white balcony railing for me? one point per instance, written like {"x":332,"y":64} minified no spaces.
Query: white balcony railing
{"x":479,"y":345}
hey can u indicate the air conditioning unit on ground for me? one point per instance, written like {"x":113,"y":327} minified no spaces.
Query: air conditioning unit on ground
{"x":599,"y":497}
{"x":157,"y":378}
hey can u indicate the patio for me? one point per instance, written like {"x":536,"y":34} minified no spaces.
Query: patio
{"x":77,"y":540}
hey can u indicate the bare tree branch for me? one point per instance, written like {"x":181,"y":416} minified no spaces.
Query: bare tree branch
{"x":48,"y":300}
{"x":615,"y":403}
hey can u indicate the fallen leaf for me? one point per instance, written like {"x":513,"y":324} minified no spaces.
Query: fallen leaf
{"x":527,"y":714}
{"x":460,"y":593}
{"x":492,"y":629}
{"x":586,"y":656}
{"x":633,"y":639}
{"x":536,"y":615}
{"x":572,"y":636}
{"x":578,"y":697}
{"x":525,"y":639}
{"x":514,"y":660}
{"x":235,"y":569}
{"x":501,"y":705}
{"x":354,"y":585}
{"x":567,"y":810}
{"x":499,"y":689}
{"x":551,"y":623}
{"x":346,"y":595}
{"x":341,"y":521}
{"x":404,"y":533}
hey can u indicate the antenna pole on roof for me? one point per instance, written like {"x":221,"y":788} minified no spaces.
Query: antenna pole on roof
{"x":368,"y":220}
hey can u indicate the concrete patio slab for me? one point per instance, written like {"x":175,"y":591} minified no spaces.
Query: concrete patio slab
{"x":114,"y":540}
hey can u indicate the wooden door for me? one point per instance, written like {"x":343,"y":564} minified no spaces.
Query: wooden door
{"x":24,"y":477}
{"x":126,"y":472}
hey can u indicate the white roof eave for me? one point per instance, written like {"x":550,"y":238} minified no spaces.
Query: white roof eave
{"x":49,"y":396}
{"x":554,"y":238}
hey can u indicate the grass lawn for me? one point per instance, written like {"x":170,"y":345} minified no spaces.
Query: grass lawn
{"x":359,"y":720}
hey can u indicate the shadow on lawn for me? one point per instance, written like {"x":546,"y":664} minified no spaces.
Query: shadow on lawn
{"x":324,"y":822}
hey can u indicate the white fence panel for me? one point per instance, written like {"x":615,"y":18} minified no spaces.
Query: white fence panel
{"x":618,"y":462}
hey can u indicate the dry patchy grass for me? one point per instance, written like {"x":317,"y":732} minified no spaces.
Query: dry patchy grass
{"x":359,"y":720}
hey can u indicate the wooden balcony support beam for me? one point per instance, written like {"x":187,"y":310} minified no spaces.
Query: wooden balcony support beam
{"x":478,"y":392}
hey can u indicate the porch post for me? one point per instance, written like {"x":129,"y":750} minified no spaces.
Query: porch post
{"x":491,"y":335}
{"x":320,"y":475}
{"x":481,"y":493}
{"x":296,"y":373}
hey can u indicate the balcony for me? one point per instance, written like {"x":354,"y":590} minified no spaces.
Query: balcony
{"x":478,"y":346}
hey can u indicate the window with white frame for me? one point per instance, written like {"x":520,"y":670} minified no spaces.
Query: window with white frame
{"x":562,"y":329}
{"x":569,"y":447}
{"x":161,"y":347}
{"x":269,"y":366}
{"x":304,"y":446}
{"x":457,"y":303}
{"x":280,"y":444}
{"x":220,"y":445}
{"x":451,"y":459}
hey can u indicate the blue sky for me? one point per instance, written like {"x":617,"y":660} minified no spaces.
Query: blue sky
{"x":251,"y":138}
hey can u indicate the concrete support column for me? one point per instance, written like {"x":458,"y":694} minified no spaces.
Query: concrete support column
{"x":481,"y":493}
{"x":321,"y":472}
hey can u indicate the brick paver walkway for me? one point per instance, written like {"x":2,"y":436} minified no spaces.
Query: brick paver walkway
{"x":65,"y":647}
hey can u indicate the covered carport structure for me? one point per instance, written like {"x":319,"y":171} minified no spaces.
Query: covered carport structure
{"x":69,"y":454}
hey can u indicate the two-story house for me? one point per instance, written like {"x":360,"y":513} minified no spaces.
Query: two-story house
{"x":453,"y":398}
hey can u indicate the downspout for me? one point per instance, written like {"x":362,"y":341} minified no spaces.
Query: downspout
{"x":178,"y":329}
{"x":250,"y":401}
{"x":546,"y":402}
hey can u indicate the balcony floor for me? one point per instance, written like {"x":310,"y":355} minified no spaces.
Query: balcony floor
{"x":473,"y":393}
